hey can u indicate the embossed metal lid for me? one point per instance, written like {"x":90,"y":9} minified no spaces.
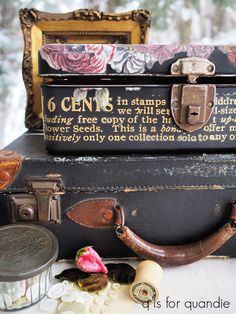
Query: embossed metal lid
{"x":25,"y":251}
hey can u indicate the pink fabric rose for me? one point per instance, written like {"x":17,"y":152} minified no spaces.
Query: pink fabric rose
{"x":232,"y":55}
{"x":78,"y":59}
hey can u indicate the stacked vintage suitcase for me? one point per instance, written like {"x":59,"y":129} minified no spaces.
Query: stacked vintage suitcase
{"x":148,"y":142}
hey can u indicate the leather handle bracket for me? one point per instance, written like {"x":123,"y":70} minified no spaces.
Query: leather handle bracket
{"x":107,"y":213}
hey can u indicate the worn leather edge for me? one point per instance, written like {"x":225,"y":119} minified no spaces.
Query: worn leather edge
{"x":10,"y":163}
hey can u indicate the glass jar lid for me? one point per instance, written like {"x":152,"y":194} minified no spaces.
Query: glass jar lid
{"x":25,"y":251}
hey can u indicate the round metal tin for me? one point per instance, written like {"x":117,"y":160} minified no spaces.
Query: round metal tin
{"x":25,"y":251}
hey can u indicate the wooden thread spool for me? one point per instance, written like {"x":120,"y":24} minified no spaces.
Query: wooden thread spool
{"x":145,"y":287}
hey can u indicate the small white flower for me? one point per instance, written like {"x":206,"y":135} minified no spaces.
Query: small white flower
{"x":79,"y":94}
{"x":102,"y":98}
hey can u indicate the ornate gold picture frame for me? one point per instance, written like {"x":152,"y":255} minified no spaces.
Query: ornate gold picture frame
{"x":80,"y":26}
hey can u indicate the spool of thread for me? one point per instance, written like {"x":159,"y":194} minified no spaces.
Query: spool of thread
{"x":145,"y":287}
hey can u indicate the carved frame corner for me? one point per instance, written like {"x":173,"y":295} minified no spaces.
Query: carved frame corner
{"x":30,"y":16}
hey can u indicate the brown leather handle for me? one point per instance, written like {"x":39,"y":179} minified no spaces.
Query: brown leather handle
{"x":178,"y":254}
{"x":106,"y":213}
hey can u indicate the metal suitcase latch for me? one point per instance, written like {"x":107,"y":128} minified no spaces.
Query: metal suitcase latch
{"x":193,"y":67}
{"x":42,"y":203}
{"x":192,"y":104}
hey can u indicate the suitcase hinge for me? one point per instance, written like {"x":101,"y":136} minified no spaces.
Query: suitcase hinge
{"x":192,"y":104}
{"x":42,"y":203}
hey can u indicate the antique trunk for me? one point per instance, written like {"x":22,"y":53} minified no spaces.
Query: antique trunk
{"x":166,"y":199}
{"x":138,"y":98}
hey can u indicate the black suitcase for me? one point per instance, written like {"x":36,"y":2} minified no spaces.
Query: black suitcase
{"x":166,"y":199}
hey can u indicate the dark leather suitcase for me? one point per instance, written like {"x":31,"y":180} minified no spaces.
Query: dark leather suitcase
{"x":166,"y":199}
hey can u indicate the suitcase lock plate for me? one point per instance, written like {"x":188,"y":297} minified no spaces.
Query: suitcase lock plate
{"x":192,"y":105}
{"x":41,"y":203}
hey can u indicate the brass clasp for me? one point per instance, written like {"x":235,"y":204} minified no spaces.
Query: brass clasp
{"x":192,"y":105}
{"x":41,"y":203}
{"x":193,"y":67}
